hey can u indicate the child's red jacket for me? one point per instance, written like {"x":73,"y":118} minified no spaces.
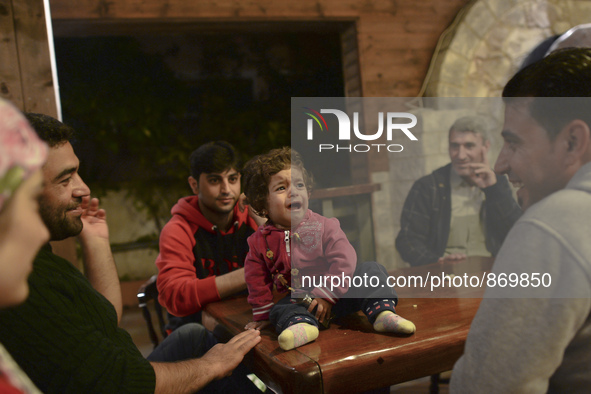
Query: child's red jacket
{"x":318,"y":249}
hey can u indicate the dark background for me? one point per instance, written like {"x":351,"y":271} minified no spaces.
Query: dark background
{"x":141,"y":104}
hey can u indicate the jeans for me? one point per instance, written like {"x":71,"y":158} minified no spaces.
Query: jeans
{"x":193,"y":341}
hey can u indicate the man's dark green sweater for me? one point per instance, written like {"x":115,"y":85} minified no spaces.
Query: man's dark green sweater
{"x":65,"y":336}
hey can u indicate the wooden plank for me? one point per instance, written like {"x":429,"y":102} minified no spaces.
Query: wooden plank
{"x":353,"y":88}
{"x":266,"y":8}
{"x":33,"y":54}
{"x":137,"y":26}
{"x":397,"y":88}
{"x":352,"y":190}
{"x":69,"y":9}
{"x":417,"y":15}
{"x":350,"y":60}
{"x":10,"y":71}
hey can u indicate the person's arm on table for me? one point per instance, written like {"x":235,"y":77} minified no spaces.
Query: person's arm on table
{"x":99,"y":266}
{"x":181,"y":292}
{"x":230,"y":283}
{"x":452,"y":258}
{"x":193,"y":375}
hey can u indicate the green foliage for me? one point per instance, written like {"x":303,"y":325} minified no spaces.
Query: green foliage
{"x":137,"y":123}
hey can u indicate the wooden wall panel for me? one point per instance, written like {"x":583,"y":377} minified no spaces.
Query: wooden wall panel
{"x":32,"y":42}
{"x":216,"y":8}
{"x":25,"y":66}
{"x":352,"y":76}
{"x":385,"y":29}
{"x":25,"y":69}
{"x":10,"y":71}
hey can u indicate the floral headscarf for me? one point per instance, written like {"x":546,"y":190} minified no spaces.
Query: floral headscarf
{"x":21,"y":150}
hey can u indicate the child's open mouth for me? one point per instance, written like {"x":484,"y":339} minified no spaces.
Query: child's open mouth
{"x":295,"y":205}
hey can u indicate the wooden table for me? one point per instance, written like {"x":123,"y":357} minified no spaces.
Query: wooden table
{"x":351,"y":356}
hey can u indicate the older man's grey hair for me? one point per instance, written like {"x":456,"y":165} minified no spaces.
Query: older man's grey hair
{"x":475,"y":124}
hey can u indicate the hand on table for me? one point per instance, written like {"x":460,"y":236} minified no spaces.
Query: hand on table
{"x":257,"y":325}
{"x":452,"y":258}
{"x":225,"y":357}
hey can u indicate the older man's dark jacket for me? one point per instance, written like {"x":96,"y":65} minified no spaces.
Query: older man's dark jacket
{"x":426,"y":217}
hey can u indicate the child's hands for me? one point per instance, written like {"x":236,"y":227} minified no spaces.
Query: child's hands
{"x":257,"y":325}
{"x":323,"y":311}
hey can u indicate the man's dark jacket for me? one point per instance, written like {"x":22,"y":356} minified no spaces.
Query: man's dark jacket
{"x":426,"y":217}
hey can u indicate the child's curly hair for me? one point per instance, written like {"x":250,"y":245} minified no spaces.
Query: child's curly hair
{"x":258,"y":171}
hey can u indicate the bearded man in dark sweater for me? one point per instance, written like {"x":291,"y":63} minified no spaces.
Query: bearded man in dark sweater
{"x":66,"y":335}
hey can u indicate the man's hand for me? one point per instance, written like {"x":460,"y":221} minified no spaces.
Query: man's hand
{"x":99,"y":266}
{"x":94,"y":220}
{"x":242,"y":202}
{"x":323,"y":311}
{"x":452,"y":258}
{"x":193,"y":375}
{"x":257,"y":325}
{"x":481,"y":174}
{"x":259,"y":220}
{"x":223,"y":358}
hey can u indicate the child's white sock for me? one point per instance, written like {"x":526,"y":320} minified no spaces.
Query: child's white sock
{"x":297,"y":335}
{"x":388,"y":321}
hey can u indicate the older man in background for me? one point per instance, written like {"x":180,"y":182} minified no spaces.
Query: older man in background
{"x":461,"y":209}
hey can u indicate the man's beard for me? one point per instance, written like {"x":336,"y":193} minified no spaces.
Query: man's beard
{"x":59,"y":224}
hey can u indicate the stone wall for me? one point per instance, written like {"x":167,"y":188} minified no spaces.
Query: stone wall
{"x":484,"y":46}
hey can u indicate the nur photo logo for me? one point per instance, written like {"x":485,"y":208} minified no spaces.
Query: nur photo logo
{"x":389,"y":123}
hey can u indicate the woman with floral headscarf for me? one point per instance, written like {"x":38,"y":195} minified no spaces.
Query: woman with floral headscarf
{"x":22,"y":231}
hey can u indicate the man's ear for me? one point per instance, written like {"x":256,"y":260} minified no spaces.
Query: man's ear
{"x":194,"y":184}
{"x":576,"y":137}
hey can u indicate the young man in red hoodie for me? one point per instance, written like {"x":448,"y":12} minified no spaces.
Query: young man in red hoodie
{"x":203,"y":246}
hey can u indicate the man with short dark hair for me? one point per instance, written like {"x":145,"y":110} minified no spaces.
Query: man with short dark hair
{"x":535,"y":336}
{"x":461,"y":209}
{"x":203,"y":246}
{"x":66,"y":335}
